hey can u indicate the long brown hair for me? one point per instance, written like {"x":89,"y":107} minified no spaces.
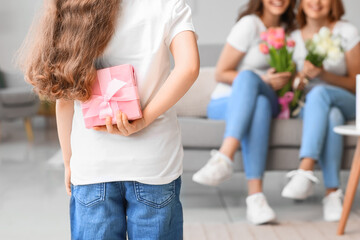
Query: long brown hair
{"x":59,"y":54}
{"x":257,"y":7}
{"x":337,"y":10}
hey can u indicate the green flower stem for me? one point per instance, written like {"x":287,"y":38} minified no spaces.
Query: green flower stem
{"x":284,"y":90}
{"x":297,"y":96}
{"x":281,"y":60}
{"x":315,"y":59}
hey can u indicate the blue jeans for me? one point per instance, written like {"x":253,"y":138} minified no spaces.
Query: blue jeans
{"x":326,"y":107}
{"x":109,"y":211}
{"x":248,"y":113}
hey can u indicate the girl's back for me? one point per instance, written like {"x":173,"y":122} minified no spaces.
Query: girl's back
{"x":124,"y":179}
{"x":143,"y":34}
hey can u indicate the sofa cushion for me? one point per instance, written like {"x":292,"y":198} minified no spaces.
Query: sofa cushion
{"x":206,"y":133}
{"x":195,"y":101}
{"x":13,"y":97}
{"x":15,"y":80}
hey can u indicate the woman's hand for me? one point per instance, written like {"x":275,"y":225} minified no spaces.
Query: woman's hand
{"x":68,"y":180}
{"x":311,"y":71}
{"x":276,"y":80}
{"x":123,"y":126}
{"x":300,"y":81}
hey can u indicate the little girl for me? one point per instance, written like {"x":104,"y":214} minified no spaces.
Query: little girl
{"x":123,"y":179}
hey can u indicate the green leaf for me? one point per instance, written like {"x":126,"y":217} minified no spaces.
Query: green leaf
{"x":297,"y":97}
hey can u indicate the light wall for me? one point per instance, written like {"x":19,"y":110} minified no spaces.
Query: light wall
{"x":15,"y":19}
{"x":213,"y":20}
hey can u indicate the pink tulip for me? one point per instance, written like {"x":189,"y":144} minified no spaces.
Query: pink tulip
{"x":271,"y":39}
{"x":263,"y":36}
{"x":290,"y":43}
{"x":271,"y":31}
{"x":280,"y":33}
{"x":264,"y":48}
{"x":278,"y":43}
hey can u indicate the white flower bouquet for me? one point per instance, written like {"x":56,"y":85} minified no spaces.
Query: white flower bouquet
{"x":324,"y":46}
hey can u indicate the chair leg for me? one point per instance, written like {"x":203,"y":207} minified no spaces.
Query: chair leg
{"x":29,"y":130}
{"x":350,"y":189}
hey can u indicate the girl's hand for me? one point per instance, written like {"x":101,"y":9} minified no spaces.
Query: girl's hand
{"x":300,"y":81}
{"x":311,"y":71}
{"x":276,"y":80}
{"x":68,"y":180}
{"x":123,"y":126}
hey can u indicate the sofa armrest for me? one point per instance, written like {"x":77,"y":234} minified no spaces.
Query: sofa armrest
{"x":16,"y":80}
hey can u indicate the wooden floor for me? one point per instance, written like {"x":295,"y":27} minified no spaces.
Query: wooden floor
{"x":32,"y":199}
{"x":280,"y":231}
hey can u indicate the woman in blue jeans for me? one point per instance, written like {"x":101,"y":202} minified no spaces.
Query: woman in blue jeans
{"x":245,"y":98}
{"x":330,"y":102}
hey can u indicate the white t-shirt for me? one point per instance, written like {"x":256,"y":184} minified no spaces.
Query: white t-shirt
{"x":350,"y":37}
{"x":245,"y":37}
{"x":154,"y":155}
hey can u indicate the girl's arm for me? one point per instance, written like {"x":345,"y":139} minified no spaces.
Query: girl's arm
{"x":187,"y":63}
{"x":64,"y":117}
{"x":347,"y":82}
{"x":226,"y":67}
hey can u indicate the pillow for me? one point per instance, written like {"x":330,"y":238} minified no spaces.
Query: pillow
{"x":195,"y":101}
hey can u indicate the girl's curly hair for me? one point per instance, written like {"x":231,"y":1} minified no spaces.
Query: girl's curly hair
{"x":58,"y":56}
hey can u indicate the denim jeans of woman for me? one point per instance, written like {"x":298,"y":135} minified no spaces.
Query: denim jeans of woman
{"x":326,"y":107}
{"x":248,"y":112}
{"x":110,"y":211}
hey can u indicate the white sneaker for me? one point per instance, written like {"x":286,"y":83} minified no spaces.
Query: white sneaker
{"x":216,"y":170}
{"x":258,"y":210}
{"x":332,"y":206}
{"x":301,"y":184}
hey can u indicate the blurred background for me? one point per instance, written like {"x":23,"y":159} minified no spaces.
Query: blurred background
{"x":213,"y":20}
{"x":33,"y":202}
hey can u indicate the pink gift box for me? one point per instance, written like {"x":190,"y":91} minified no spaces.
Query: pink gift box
{"x":115,"y":89}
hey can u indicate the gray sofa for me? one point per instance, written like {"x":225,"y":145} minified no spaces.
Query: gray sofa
{"x":200,"y":135}
{"x":18,"y":101}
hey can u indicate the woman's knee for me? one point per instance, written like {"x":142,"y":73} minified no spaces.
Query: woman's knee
{"x":318,"y":93}
{"x":247,"y":78}
{"x":336,"y":117}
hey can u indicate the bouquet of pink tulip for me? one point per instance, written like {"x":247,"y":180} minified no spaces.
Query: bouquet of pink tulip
{"x":276,"y":45}
{"x":280,"y":51}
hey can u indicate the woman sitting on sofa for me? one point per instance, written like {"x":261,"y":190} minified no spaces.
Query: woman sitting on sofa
{"x":245,"y":97}
{"x":331,"y":97}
